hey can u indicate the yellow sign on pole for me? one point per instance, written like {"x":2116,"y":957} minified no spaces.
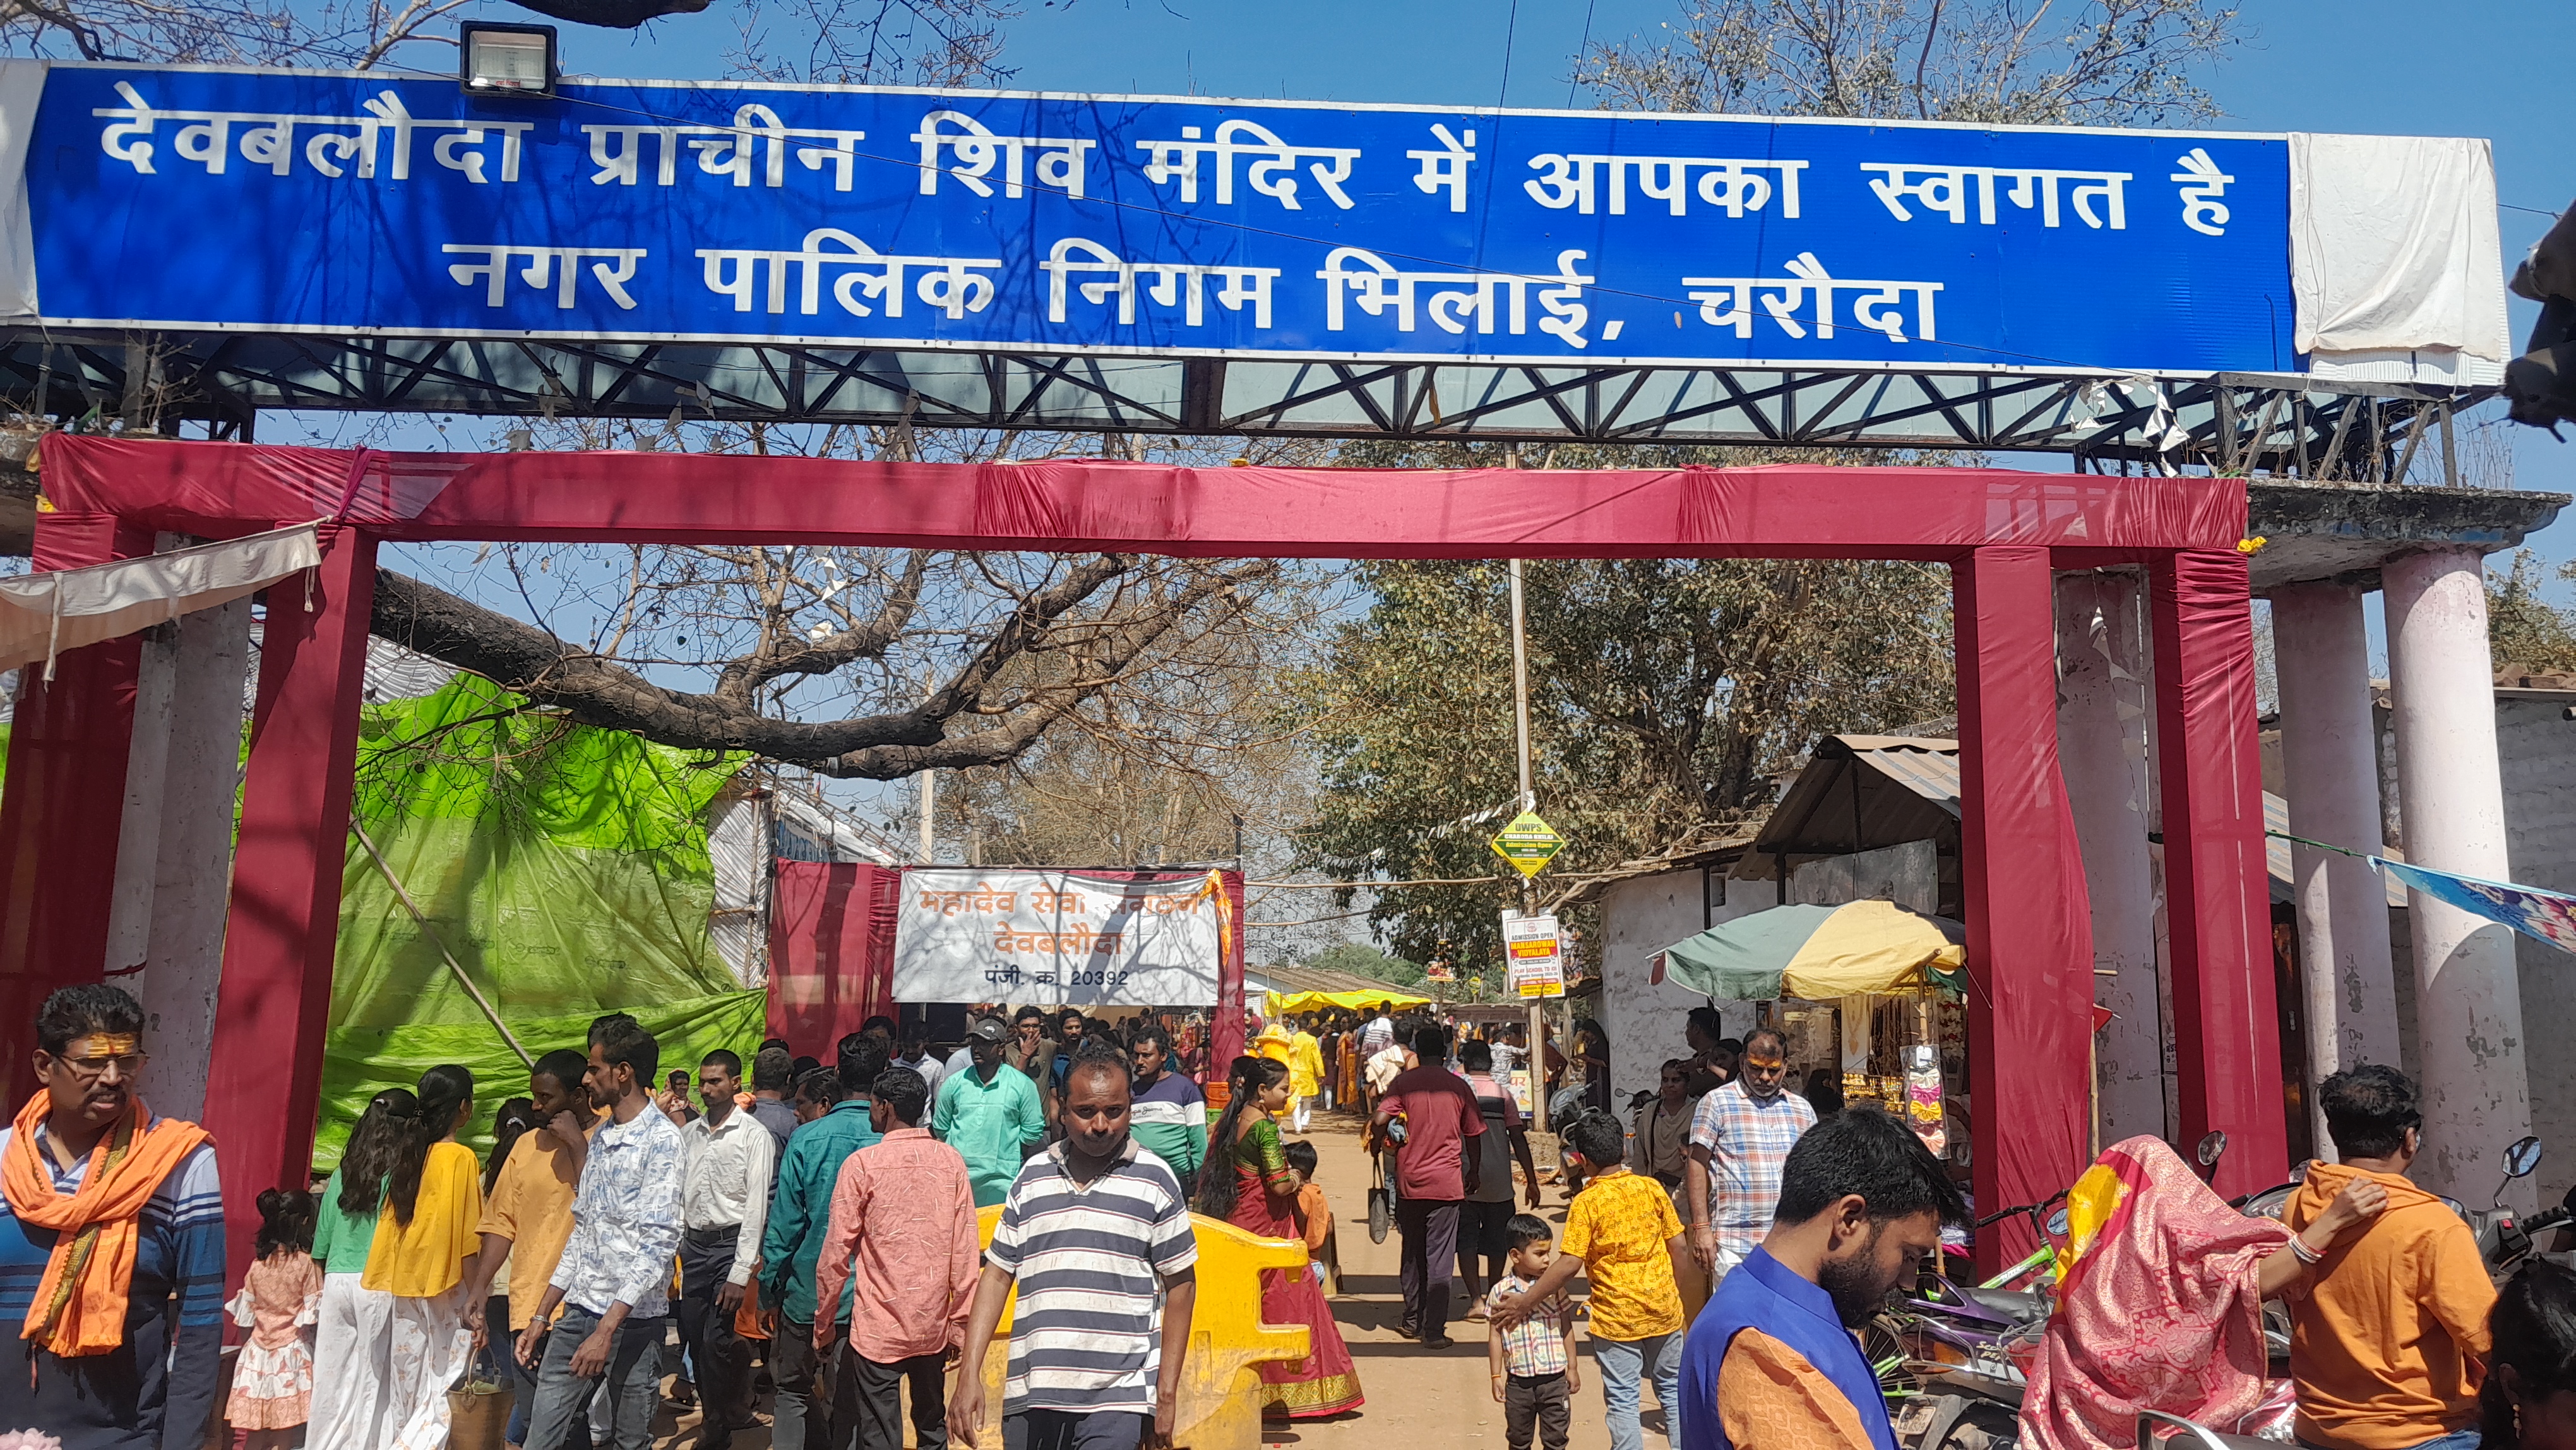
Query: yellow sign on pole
{"x":1528,"y":843}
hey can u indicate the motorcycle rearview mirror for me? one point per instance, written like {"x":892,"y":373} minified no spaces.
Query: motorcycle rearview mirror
{"x":2057,"y":1222}
{"x":2213,"y":1146}
{"x":2522,"y":1157}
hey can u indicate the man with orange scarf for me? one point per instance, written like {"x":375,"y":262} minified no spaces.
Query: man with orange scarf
{"x":106,"y":1212}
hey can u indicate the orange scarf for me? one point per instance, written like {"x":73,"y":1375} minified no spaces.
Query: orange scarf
{"x":79,"y":1307}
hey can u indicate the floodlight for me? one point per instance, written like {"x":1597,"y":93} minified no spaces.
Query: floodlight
{"x":515,"y":60}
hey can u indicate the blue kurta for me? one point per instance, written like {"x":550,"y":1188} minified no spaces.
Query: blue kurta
{"x":141,"y":1395}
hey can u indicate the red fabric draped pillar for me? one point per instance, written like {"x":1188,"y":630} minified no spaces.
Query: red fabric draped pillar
{"x":831,"y":951}
{"x":65,"y":802}
{"x":2030,"y":940}
{"x":264,"y":1084}
{"x":2226,"y":1026}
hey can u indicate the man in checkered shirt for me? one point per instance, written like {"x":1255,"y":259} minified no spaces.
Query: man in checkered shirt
{"x":1739,"y":1141}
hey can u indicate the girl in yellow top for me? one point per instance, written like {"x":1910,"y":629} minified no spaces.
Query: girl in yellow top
{"x":424,"y":1256}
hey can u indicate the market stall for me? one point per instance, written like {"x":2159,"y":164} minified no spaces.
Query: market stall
{"x":1867,"y":995}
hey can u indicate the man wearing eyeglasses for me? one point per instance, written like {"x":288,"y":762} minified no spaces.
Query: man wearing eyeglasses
{"x":109,"y":1364}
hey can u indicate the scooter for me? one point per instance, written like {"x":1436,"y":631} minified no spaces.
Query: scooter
{"x":2502,"y":1239}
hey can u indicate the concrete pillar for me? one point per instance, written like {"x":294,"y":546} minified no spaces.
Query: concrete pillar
{"x":192,"y":861}
{"x":2468,"y":1001}
{"x":165,"y":925}
{"x":2102,"y":742}
{"x":2321,"y":656}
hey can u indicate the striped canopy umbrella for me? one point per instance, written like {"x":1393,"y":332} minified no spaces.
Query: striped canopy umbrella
{"x":1816,"y":953}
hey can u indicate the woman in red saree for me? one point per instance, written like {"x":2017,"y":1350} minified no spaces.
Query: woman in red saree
{"x":1260,"y":1197}
{"x":2160,"y":1300}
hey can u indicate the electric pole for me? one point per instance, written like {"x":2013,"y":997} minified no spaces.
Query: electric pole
{"x":1537,"y":1058}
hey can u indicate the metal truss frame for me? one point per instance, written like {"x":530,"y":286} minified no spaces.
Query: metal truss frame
{"x":2281,"y":424}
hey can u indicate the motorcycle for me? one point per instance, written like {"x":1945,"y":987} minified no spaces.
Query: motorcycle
{"x":2503,"y":1240}
{"x":1950,"y":1357}
{"x":1947,"y":1357}
{"x":2158,"y":1429}
{"x":1960,"y":1382}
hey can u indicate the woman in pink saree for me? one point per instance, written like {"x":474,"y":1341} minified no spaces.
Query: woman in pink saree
{"x":2160,"y":1300}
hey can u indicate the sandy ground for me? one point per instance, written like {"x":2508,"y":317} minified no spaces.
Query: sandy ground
{"x":1416,"y":1397}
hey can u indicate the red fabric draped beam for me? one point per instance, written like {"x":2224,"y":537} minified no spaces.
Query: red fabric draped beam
{"x":1784,"y":511}
{"x":2030,"y":925}
{"x":2226,"y":1024}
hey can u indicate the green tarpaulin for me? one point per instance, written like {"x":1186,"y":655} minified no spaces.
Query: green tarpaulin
{"x":564,"y":867}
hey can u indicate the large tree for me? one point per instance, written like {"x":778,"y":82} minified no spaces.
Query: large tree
{"x":1667,"y":691}
{"x":2030,"y":62}
{"x":1664,"y":695}
{"x":852,"y":42}
{"x":858,"y":663}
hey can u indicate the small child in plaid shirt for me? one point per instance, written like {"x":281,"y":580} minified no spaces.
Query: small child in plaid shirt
{"x":1536,"y":1371}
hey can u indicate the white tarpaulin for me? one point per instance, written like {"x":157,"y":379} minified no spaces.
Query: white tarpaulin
{"x":2395,"y":258}
{"x":22,"y":85}
{"x":41,"y":615}
{"x":971,"y":935}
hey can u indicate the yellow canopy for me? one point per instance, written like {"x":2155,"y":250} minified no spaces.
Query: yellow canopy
{"x":1816,"y":953}
{"x":1279,"y":1002}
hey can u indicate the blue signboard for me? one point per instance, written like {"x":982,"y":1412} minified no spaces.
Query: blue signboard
{"x":297,"y":201}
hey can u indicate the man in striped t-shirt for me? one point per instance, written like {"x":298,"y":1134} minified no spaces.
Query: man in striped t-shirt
{"x":1091,"y":1229}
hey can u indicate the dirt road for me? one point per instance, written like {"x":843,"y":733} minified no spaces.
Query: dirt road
{"x":1418,"y":1399}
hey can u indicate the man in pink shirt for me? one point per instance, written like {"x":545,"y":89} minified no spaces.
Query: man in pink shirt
{"x":904,"y":1210}
{"x":1437,"y":1169}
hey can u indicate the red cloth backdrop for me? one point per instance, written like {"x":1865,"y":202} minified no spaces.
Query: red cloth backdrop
{"x":67,"y":756}
{"x":831,"y":950}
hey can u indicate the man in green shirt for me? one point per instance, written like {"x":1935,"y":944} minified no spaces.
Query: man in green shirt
{"x":798,"y":1214}
{"x":1169,"y":1115}
{"x":991,"y":1117}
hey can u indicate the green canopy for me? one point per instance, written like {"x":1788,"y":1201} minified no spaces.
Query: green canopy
{"x":564,"y":866}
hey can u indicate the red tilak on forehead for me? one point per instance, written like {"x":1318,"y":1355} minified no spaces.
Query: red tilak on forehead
{"x":1751,"y":1061}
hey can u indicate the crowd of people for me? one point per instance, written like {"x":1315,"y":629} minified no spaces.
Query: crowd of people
{"x":807,"y":1227}
{"x":810,"y":1231}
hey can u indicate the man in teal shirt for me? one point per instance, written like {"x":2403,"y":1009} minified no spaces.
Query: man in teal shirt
{"x":799,"y":1212}
{"x":991,"y":1117}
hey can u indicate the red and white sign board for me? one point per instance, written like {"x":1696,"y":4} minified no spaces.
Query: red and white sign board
{"x":1535,"y":956}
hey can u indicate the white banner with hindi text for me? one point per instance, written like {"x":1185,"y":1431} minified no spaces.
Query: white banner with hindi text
{"x":967,"y":934}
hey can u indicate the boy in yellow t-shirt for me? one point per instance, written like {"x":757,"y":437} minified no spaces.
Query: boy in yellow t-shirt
{"x":1623,"y":1232}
